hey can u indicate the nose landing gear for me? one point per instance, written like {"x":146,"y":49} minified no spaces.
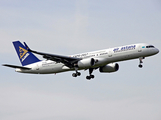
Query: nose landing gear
{"x":141,"y":61}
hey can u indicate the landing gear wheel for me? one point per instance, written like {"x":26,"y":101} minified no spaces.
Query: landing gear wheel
{"x":140,"y":66}
{"x":74,"y":75}
{"x":91,"y":76}
{"x":88,"y":77}
{"x":78,"y":73}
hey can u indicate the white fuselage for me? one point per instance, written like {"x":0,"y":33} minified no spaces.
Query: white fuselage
{"x":102,"y":57}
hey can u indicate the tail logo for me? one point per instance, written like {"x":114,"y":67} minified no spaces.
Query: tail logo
{"x":23,"y":54}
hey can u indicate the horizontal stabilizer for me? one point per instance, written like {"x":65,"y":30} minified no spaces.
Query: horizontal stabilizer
{"x":14,"y":66}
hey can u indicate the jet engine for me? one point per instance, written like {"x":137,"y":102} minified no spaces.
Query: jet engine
{"x":85,"y":63}
{"x":112,"y":67}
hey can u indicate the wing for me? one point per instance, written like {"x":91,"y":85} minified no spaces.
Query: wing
{"x":14,"y":66}
{"x":68,"y":61}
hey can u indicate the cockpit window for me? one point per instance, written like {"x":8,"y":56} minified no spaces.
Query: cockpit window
{"x":150,"y":46}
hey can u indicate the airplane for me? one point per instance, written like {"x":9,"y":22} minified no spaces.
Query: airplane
{"x":104,"y":60}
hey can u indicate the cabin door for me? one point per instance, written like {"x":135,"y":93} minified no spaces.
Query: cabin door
{"x":110,"y":53}
{"x":140,"y":48}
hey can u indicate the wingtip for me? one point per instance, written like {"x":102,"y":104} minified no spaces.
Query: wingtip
{"x":3,"y":64}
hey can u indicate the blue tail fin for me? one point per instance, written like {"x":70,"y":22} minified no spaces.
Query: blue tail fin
{"x":24,"y":55}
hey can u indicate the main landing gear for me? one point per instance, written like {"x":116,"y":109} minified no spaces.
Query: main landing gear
{"x":90,"y":74}
{"x":77,"y":73}
{"x":87,"y":77}
{"x":141,"y":61}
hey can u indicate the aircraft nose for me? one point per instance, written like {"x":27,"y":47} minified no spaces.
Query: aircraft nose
{"x":157,"y":50}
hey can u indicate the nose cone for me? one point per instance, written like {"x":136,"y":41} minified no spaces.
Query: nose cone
{"x":157,"y":50}
{"x":154,"y":51}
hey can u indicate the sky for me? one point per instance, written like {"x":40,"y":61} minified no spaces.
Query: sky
{"x":69,"y":27}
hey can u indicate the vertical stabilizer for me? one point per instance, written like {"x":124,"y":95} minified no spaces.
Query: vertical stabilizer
{"x":24,"y":55}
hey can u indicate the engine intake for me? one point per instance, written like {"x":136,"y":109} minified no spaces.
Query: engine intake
{"x":112,"y":67}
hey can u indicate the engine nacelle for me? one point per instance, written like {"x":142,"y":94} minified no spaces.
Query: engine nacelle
{"x":85,"y":63}
{"x":112,"y":67}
